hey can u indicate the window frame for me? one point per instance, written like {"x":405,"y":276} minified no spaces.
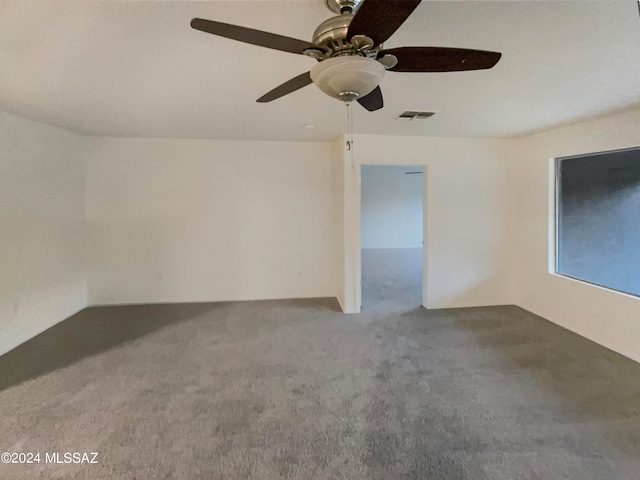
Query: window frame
{"x":555,"y":168}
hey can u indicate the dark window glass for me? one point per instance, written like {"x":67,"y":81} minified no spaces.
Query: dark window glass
{"x":598,"y":219}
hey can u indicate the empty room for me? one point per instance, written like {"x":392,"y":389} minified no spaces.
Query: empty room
{"x":204,"y":275}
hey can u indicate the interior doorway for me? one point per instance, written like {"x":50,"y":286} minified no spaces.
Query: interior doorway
{"x":391,"y":236}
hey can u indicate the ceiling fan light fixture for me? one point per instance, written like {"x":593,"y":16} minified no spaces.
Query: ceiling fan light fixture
{"x":347,"y":78}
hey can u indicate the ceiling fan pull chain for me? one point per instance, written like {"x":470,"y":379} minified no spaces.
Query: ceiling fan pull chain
{"x":350,"y":132}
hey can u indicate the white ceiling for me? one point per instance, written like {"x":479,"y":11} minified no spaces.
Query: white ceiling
{"x":125,"y":68}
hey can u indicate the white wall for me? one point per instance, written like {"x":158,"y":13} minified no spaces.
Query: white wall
{"x":391,"y":207}
{"x":338,"y":214}
{"x":189,"y":220}
{"x":468,"y":250}
{"x":42,"y":234}
{"x":609,"y":318}
{"x":206,"y":220}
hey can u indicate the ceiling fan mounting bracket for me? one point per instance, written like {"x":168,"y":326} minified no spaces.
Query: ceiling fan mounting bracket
{"x":318,"y":53}
{"x":362,"y":43}
{"x":388,"y":61}
{"x":343,"y":6}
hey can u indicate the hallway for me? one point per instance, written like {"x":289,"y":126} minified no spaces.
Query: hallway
{"x":391,"y":279}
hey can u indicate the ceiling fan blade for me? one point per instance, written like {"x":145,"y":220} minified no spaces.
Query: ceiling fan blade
{"x":292,"y":85}
{"x":440,"y":59}
{"x":372,"y":101}
{"x":254,"y":37}
{"x":379,"y":19}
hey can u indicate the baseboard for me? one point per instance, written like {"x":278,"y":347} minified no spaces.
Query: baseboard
{"x":198,"y":302}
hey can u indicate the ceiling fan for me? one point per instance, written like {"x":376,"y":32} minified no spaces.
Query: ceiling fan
{"x":348,"y":48}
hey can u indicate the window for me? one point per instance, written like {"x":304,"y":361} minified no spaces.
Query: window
{"x":598,"y":219}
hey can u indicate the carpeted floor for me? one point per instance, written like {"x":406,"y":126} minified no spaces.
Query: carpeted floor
{"x":391,"y":279}
{"x":294,"y":389}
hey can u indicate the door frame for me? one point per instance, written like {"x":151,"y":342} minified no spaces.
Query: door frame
{"x":352,"y":301}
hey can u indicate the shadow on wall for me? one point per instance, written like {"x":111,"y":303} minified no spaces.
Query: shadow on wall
{"x":90,"y":332}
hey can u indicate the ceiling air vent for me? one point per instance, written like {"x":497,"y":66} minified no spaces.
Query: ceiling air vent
{"x":411,"y":115}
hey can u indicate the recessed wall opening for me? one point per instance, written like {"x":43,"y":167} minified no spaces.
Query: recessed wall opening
{"x":391,"y":236}
{"x":598,"y":219}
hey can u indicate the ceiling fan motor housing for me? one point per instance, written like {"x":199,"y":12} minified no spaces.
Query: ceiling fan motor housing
{"x":331,"y":37}
{"x":332,"y":33}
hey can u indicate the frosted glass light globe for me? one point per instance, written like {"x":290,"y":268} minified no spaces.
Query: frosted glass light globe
{"x":347,"y":78}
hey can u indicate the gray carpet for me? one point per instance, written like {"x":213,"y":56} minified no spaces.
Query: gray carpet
{"x":391,"y":279}
{"x":294,"y":389}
